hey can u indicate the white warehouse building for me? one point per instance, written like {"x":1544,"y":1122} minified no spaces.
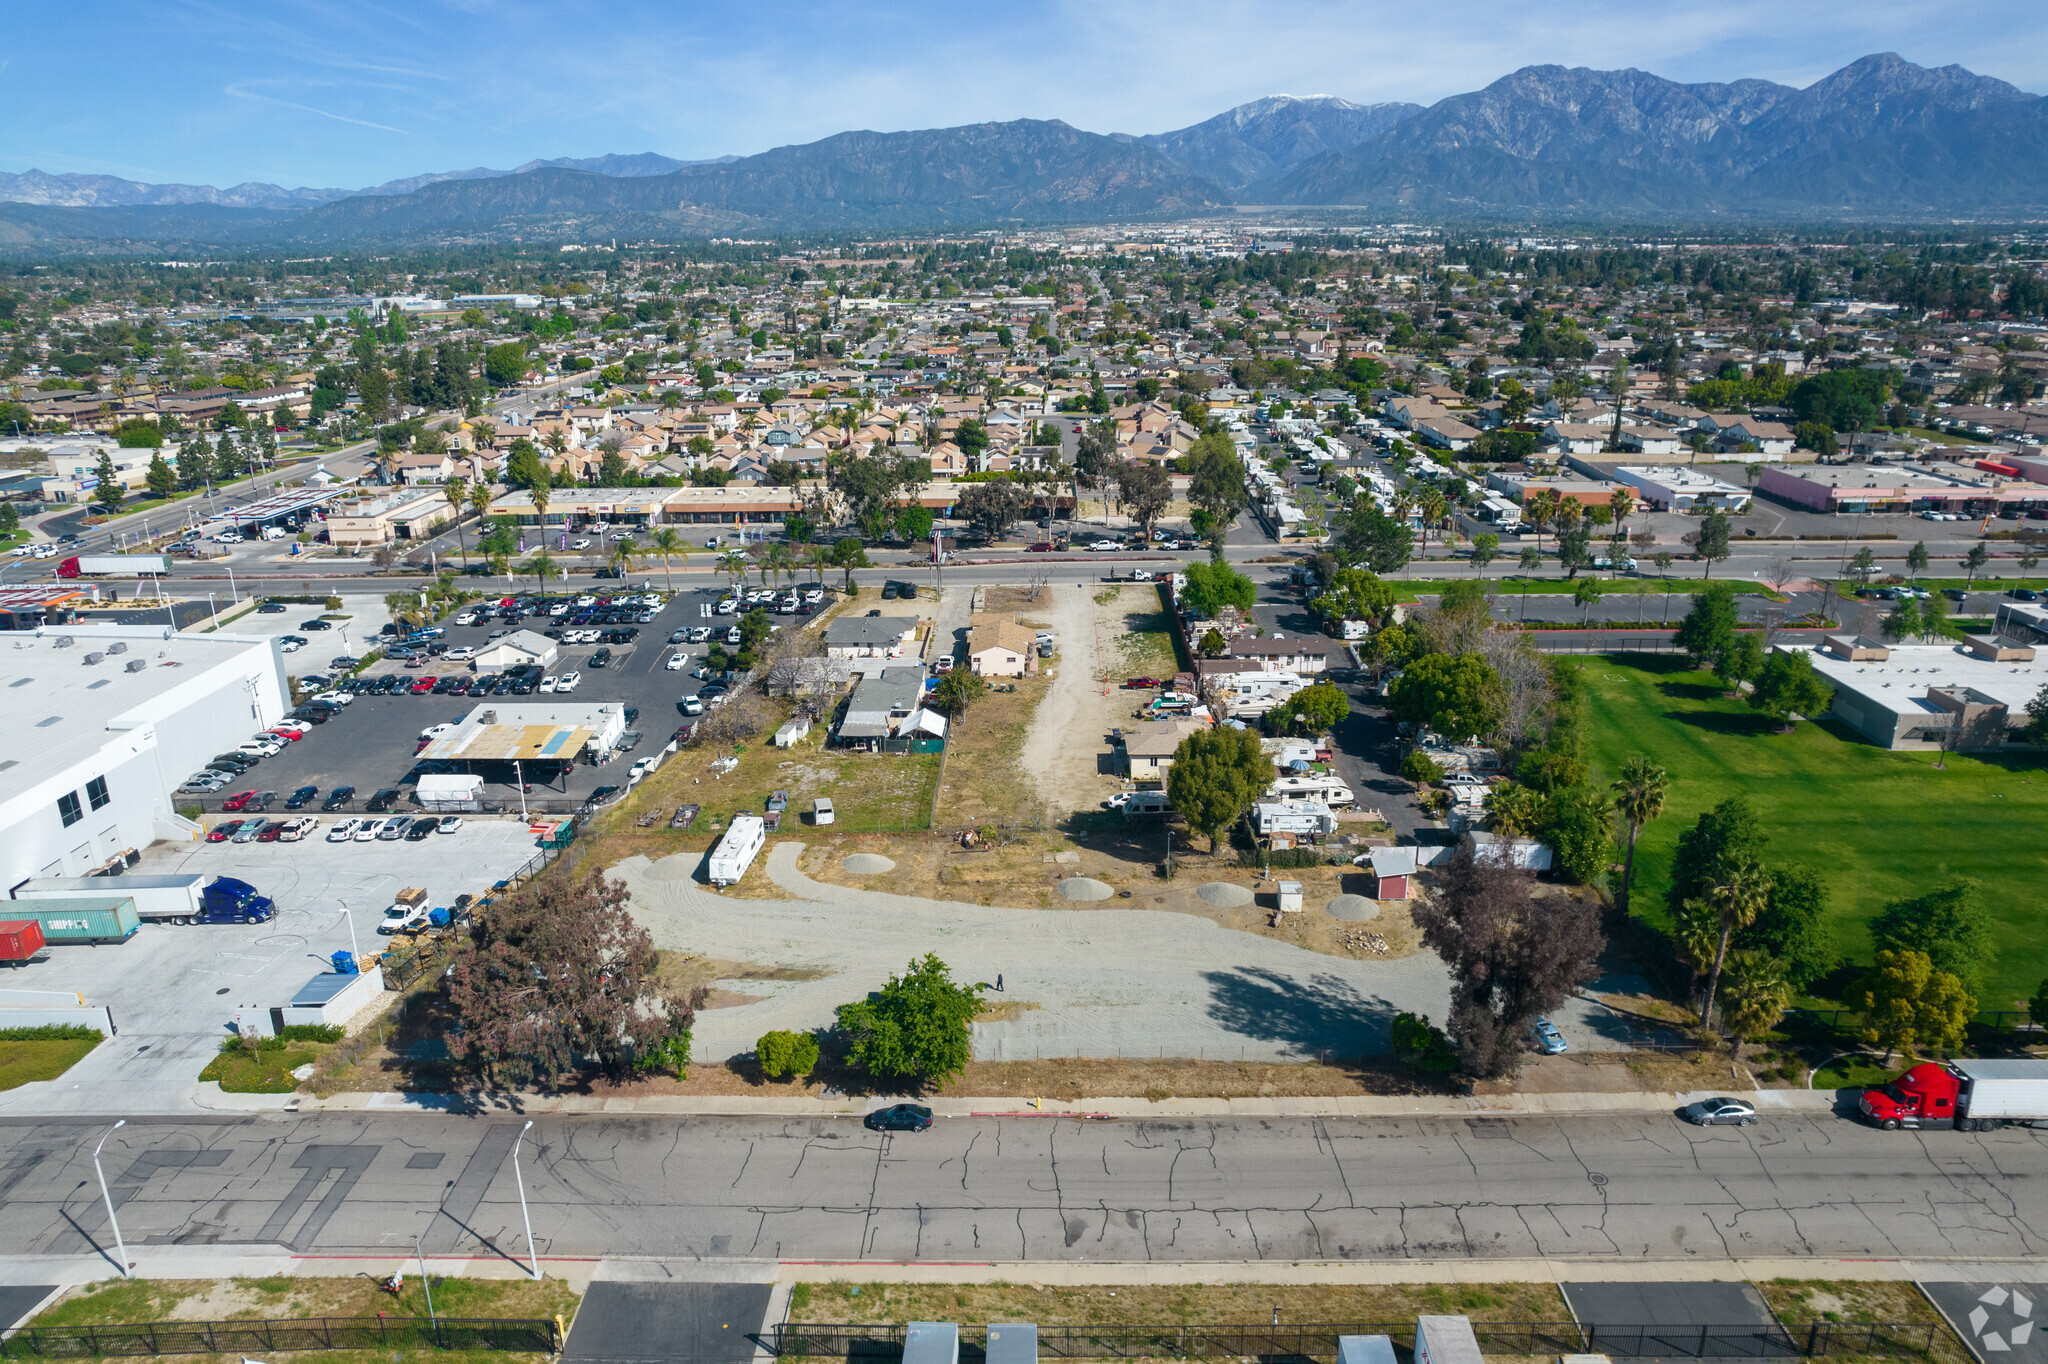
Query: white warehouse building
{"x":103,"y":721}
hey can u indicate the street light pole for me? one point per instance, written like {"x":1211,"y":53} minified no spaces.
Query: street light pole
{"x":518,"y":1179}
{"x":355,"y":949}
{"x":519,"y":780}
{"x":112,"y":1221}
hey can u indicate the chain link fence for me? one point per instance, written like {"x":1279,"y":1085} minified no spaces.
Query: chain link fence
{"x":530,"y":1336}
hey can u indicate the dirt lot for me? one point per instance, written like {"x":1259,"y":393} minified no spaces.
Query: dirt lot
{"x":1104,"y":635}
{"x":280,"y":1298}
{"x":1164,"y":1304}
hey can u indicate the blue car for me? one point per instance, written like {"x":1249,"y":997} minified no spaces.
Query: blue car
{"x":1546,"y":1038}
{"x":899,"y":1118}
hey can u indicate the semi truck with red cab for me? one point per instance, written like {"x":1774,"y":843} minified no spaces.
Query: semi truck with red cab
{"x":1970,"y":1096}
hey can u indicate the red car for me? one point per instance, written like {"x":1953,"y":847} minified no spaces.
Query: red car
{"x":290,"y":732}
{"x":221,"y":833}
{"x":421,"y":684}
{"x":271,"y":831}
{"x":238,"y":801}
{"x":1042,"y":547}
{"x":1141,"y":683}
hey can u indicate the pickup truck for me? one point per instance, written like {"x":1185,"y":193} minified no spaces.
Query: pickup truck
{"x":408,"y":912}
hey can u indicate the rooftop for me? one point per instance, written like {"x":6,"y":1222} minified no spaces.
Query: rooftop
{"x":1899,"y":683}
{"x":500,"y":732}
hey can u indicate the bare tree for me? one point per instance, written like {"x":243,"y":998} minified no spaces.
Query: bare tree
{"x":1780,"y":572}
{"x":737,"y":718}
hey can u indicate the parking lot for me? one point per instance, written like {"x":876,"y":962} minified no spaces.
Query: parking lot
{"x":173,"y":989}
{"x":371,"y":743}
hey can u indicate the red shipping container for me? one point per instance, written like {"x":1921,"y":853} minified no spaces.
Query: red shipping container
{"x":20,"y":939}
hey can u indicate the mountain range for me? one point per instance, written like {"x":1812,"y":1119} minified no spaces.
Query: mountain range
{"x":1882,"y":138}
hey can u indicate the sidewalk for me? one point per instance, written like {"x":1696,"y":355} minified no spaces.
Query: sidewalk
{"x":1010,"y":1106}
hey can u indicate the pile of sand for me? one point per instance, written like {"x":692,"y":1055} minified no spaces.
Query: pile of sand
{"x":1223,"y":895}
{"x":1085,"y":888}
{"x":867,"y":864}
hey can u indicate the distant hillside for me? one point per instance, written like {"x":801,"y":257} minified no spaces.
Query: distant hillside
{"x":1025,"y":171}
{"x":1271,"y":136}
{"x":1881,"y":137}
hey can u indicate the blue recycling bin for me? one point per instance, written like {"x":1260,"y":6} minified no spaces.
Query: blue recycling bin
{"x":344,"y":962}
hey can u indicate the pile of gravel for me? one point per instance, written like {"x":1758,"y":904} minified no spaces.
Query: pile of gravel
{"x":1223,"y":895}
{"x":1353,"y":908}
{"x":867,"y":864}
{"x":1085,"y":888}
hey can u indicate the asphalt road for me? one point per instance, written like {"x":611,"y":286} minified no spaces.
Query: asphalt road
{"x":991,"y":1189}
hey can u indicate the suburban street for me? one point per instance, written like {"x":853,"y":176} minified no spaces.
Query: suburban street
{"x":1023,"y":1188}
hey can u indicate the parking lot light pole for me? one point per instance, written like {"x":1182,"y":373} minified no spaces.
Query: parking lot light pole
{"x":517,"y":1178}
{"x":113,"y":1221}
{"x":355,"y":949}
{"x":519,"y":780}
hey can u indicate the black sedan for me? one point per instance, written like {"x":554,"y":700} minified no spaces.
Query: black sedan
{"x":301,"y":798}
{"x":421,"y":830}
{"x":899,"y":1118}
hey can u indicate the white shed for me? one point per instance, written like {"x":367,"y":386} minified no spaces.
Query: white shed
{"x":790,"y":733}
{"x":519,"y":648}
{"x":447,"y":792}
{"x":334,"y":999}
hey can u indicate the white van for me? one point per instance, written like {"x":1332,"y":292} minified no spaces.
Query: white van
{"x":1148,"y":803}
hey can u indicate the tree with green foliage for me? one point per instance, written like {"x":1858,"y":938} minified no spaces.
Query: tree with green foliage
{"x":958,"y":690}
{"x":1421,"y":769}
{"x":1421,"y":1045}
{"x":1975,"y":560}
{"x":1639,"y":794}
{"x":1315,"y":709}
{"x":1212,"y":586}
{"x":1578,"y":828}
{"x":1710,"y":541}
{"x":1485,"y":549}
{"x":108,"y":492}
{"x":1735,"y":902}
{"x":782,"y":1054}
{"x":139,"y":433}
{"x":915,"y":1027}
{"x":1787,"y":685}
{"x":1950,"y":924}
{"x":1796,"y":928}
{"x":1740,"y":661}
{"x":849,"y":554}
{"x":1145,"y":490}
{"x":1355,"y":594}
{"x":1216,"y":477}
{"x":161,"y":479}
{"x":1756,"y":995}
{"x":1709,"y":627}
{"x":1916,"y":558}
{"x":992,"y":508}
{"x":1514,"y":810}
{"x":1458,"y":696}
{"x":1216,"y":775}
{"x":1908,"y":1003}
{"x":2037,"y":1006}
{"x":1365,"y":536}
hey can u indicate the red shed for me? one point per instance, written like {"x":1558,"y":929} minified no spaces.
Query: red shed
{"x":1392,"y":869}
{"x":20,"y":939}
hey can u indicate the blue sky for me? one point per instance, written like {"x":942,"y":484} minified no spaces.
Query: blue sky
{"x":354,"y":92}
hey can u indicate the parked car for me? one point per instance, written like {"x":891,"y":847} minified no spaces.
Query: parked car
{"x":1104,"y":545}
{"x":383,"y":800}
{"x":238,"y":801}
{"x":1545,"y":1037}
{"x":1721,"y":1112}
{"x":1141,"y":683}
{"x":301,"y":798}
{"x":394,"y":828}
{"x":221,"y":833}
{"x":448,"y":824}
{"x":344,"y":829}
{"x":899,"y":1118}
{"x":316,"y":624}
{"x":338,"y":797}
{"x":568,"y":681}
{"x":295,"y":829}
{"x":420,"y":830}
{"x":266,"y":832}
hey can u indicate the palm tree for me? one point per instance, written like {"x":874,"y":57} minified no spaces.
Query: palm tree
{"x":539,"y":492}
{"x":1638,"y":798}
{"x":1623,"y":505}
{"x":780,"y":559}
{"x":456,"y":490}
{"x":1435,"y":506}
{"x":542,"y":566}
{"x":1758,"y":994}
{"x":1735,"y":902}
{"x":624,"y":552}
{"x":669,"y":545}
{"x":735,"y":563}
{"x":480,"y":500}
{"x":403,"y":606}
{"x":1538,"y":508}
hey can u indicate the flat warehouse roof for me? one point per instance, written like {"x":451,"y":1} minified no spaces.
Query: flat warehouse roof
{"x":503,"y":743}
{"x":281,"y":504}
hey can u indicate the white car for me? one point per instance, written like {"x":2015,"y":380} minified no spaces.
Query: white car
{"x":367,"y":831}
{"x":727,"y":606}
{"x":1105,"y":545}
{"x":343,"y":830}
{"x":436,"y":731}
{"x":262,"y":748}
{"x":692,"y":706}
{"x":461,"y":654}
{"x":50,"y":551}
{"x":567,"y":681}
{"x":449,"y":824}
{"x":547,"y":683}
{"x":296,"y":829}
{"x":335,"y":698}
{"x":583,"y":543}
{"x":289,"y":645}
{"x":677,"y":662}
{"x":465,"y":617}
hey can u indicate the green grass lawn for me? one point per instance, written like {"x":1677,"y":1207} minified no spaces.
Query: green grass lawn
{"x":1412,"y":589}
{"x":26,"y":1060}
{"x":1857,"y":1072}
{"x":268,"y":1071}
{"x":1877,"y":825}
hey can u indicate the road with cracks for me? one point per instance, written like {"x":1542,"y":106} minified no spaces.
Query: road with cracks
{"x":1002,"y":1189}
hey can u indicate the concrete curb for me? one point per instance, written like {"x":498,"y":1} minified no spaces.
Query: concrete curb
{"x":1011,"y":1106}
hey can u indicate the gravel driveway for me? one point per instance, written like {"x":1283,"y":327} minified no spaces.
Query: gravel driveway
{"x":1107,"y":982}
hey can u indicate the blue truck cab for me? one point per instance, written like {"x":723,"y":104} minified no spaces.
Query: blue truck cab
{"x":229,"y":901}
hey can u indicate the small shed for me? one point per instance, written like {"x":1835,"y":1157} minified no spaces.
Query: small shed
{"x":931,"y":1342}
{"x":1365,"y":1350}
{"x":1392,"y":869}
{"x":1290,"y":897}
{"x":790,"y":733}
{"x":1446,"y":1340}
{"x":333,"y":999}
{"x":521,"y":648}
{"x":1016,"y":1342}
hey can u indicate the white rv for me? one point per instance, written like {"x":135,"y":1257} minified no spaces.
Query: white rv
{"x":736,"y":851}
{"x":1253,"y":694}
{"x":1330,"y":791}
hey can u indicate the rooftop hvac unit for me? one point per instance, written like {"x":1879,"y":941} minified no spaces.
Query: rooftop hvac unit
{"x":136,"y":665}
{"x":64,"y":642}
{"x":117,"y":647}
{"x":93,"y":658}
{"x":489,"y":717}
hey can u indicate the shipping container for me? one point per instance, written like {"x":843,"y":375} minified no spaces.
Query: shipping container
{"x":65,"y":922}
{"x":158,"y":899}
{"x":20,"y":940}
